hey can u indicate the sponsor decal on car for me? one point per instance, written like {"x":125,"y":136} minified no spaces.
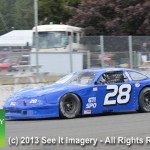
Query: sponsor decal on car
{"x":13,"y":103}
{"x":137,"y":84}
{"x":86,"y":112}
{"x":95,"y":89}
{"x":91,"y":103}
{"x":33,"y":101}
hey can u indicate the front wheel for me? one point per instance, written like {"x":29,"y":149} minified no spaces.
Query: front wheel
{"x":70,"y":106}
{"x":144,"y":100}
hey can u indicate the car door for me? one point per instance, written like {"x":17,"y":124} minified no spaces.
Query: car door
{"x":115,"y":92}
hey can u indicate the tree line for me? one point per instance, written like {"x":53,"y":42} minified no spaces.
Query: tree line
{"x":97,"y":17}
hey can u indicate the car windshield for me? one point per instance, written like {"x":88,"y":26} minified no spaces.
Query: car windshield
{"x":55,"y":39}
{"x":78,"y":78}
{"x":65,"y":78}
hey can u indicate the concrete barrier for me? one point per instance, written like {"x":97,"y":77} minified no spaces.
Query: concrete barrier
{"x":7,"y":90}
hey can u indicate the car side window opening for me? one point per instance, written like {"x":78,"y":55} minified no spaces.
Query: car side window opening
{"x":135,"y":76}
{"x":112,"y":77}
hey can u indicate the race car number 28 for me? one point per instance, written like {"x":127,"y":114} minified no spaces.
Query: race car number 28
{"x":120,"y":95}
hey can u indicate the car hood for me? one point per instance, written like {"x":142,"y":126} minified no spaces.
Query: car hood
{"x":34,"y":92}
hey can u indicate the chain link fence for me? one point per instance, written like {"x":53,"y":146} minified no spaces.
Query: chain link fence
{"x":88,"y":52}
{"x":10,"y":58}
{"x":117,"y":51}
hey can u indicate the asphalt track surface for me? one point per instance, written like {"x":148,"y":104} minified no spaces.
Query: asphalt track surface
{"x":100,"y":126}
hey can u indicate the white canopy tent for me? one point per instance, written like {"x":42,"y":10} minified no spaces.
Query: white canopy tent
{"x":16,"y":38}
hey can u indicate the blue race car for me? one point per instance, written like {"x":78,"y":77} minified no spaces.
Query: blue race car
{"x":91,"y":91}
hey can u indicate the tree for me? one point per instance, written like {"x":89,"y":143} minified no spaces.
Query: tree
{"x":72,"y":3}
{"x":113,"y":17}
{"x":52,"y":11}
{"x":6,"y":15}
{"x":16,"y":14}
{"x":19,"y":14}
{"x":23,"y":14}
{"x":56,"y":11}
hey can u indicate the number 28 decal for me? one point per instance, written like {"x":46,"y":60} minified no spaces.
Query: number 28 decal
{"x":122,"y":93}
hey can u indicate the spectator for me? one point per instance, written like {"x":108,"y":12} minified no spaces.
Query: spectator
{"x":144,"y":52}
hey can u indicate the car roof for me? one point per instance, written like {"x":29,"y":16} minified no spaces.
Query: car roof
{"x":103,"y":70}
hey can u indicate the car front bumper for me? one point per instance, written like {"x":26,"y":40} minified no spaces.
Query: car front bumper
{"x":35,"y":112}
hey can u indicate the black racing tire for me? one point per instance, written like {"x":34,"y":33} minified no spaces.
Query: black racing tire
{"x":70,"y":106}
{"x":144,"y":100}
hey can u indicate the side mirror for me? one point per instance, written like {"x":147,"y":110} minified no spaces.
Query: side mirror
{"x":96,"y":83}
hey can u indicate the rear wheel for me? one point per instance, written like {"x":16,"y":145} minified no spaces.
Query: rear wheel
{"x":144,"y":100}
{"x":70,"y":106}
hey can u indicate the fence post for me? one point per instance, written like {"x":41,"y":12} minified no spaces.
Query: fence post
{"x":70,"y":52}
{"x":10,"y":52}
{"x":88,"y":59}
{"x":130,"y":51}
{"x":102,"y":50}
{"x":36,"y":34}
